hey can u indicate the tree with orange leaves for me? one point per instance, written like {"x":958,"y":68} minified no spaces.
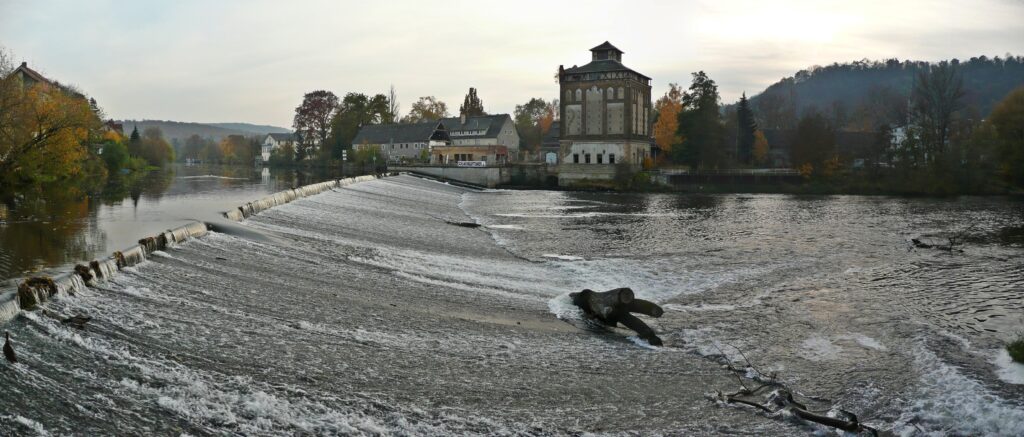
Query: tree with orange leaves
{"x":760,"y":148}
{"x":666,"y":129}
{"x":43,"y":131}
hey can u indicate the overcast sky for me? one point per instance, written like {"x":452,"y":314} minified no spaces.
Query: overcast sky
{"x":251,"y":61}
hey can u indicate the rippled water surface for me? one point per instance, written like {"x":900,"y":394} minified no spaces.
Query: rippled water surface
{"x":362,"y":311}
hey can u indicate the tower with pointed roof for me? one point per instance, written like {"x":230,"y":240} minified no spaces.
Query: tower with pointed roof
{"x":605,"y":116}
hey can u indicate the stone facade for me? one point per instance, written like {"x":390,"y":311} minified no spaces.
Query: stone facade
{"x":605,"y":113}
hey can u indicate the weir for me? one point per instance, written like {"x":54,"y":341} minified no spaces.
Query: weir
{"x":282,"y":197}
{"x":36,"y":290}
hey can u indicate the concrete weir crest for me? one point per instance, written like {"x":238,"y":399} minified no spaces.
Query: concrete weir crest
{"x":34,"y":291}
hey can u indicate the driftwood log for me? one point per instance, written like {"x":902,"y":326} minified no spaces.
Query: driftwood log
{"x":781,"y":399}
{"x":614,"y":306}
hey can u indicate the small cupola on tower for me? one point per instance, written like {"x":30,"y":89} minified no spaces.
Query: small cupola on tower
{"x":606,"y":51}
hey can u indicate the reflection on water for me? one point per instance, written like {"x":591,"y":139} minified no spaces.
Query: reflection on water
{"x":53,"y":226}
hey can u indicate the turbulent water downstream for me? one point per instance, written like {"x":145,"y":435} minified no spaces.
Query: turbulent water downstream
{"x":362,"y":311}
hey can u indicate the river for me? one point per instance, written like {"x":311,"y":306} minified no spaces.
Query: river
{"x":360,"y":311}
{"x":50,"y":229}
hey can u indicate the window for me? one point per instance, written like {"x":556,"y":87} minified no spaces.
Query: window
{"x":586,"y":158}
{"x":568,"y":95}
{"x":622,"y":93}
{"x":611,"y":93}
{"x":611,"y":158}
{"x":575,"y":158}
{"x":579,"y":95}
{"x":600,"y":158}
{"x":594,"y":111}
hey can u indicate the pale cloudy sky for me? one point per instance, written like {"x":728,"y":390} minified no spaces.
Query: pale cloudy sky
{"x":251,"y":61}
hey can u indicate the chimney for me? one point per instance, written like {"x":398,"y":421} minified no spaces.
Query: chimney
{"x":24,"y":64}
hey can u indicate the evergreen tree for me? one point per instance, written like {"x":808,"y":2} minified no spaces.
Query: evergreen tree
{"x":472,"y":105}
{"x":701,"y":126}
{"x":135,"y":143}
{"x":746,"y":128}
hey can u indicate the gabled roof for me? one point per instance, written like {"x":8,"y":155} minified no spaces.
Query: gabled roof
{"x":491,"y":124}
{"x":32,"y":74}
{"x":282,"y":137}
{"x":554,"y":133}
{"x":396,"y":133}
{"x":605,"y":47}
{"x":36,"y":77}
{"x":601,"y":66}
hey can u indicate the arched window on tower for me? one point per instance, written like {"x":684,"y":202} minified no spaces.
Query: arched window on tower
{"x":622,"y":93}
{"x":579,"y":95}
{"x":568,"y":96}
{"x":611,"y":93}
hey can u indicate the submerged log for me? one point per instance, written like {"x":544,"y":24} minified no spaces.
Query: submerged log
{"x":920,"y":244}
{"x":463,"y":224}
{"x":76,"y":321}
{"x":614,"y":306}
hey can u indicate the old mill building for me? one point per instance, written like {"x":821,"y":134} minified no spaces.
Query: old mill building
{"x":605,"y":117}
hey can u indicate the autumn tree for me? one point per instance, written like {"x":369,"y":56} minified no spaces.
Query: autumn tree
{"x":814,"y":143}
{"x":760,"y":153}
{"x":550,"y":115}
{"x":472,"y":105}
{"x":529,"y":119}
{"x":42,"y":130}
{"x":233,"y":149}
{"x":312,"y":121}
{"x":746,"y":127}
{"x":155,"y":149}
{"x":666,"y":128}
{"x":427,"y":108}
{"x":355,"y":111}
{"x":1008,"y":120}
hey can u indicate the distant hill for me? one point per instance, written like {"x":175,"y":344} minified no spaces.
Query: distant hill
{"x":861,"y":95}
{"x":261,"y":129}
{"x":178,"y":130}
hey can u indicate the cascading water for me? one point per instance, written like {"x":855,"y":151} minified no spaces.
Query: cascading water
{"x":367,"y":313}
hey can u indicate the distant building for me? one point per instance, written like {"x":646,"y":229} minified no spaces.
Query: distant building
{"x":114,"y":126}
{"x":605,"y":116}
{"x":275,"y":141}
{"x":484,"y":130}
{"x":30,"y":78}
{"x":402,"y":142}
{"x":484,"y":156}
{"x":550,"y":145}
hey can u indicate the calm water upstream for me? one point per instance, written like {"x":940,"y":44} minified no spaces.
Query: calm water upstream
{"x":49,"y":229}
{"x":363,"y":312}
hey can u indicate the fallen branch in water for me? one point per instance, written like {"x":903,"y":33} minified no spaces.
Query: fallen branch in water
{"x":781,"y":399}
{"x":954,"y":241}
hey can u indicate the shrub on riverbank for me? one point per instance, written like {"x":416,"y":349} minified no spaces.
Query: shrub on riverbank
{"x":1016,"y":349}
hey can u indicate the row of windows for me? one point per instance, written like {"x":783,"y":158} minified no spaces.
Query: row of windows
{"x":587,"y":160}
{"x":578,"y":94}
{"x":406,"y":146}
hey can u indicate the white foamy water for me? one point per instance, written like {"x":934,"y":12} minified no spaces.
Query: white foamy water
{"x":363,"y":313}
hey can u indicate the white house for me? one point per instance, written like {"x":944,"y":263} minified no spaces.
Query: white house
{"x":274,"y":141}
{"x":484,"y":130}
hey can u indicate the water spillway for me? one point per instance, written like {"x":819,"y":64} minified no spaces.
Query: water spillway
{"x":368,"y":313}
